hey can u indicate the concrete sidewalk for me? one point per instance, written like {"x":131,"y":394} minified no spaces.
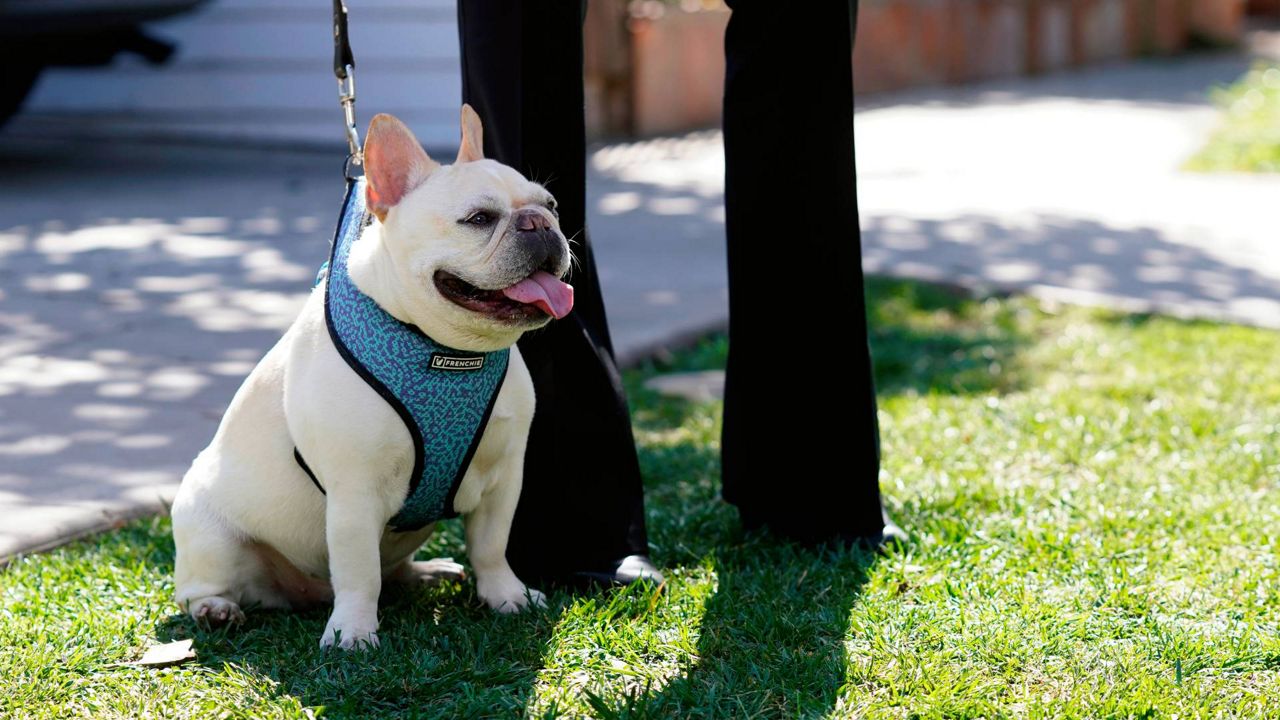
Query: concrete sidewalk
{"x":138,"y":284}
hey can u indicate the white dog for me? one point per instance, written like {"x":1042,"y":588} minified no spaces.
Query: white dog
{"x":470,"y":254}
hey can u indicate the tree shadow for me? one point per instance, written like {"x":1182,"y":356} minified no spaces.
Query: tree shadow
{"x":925,"y":338}
{"x":932,"y":338}
{"x":1084,"y":261}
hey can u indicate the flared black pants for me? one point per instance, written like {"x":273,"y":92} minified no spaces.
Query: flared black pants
{"x":794,"y":256}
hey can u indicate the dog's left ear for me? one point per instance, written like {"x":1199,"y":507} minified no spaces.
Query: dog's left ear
{"x":394,"y":164}
{"x":472,"y":136}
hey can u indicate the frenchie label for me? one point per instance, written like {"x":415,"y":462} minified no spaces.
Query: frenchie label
{"x":440,"y":361}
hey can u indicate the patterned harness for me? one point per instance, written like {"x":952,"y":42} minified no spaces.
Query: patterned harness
{"x":444,"y":396}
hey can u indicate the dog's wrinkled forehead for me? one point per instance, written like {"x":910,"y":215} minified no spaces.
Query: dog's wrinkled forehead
{"x":490,"y":185}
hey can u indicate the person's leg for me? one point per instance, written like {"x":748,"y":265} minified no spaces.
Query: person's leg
{"x":582,"y":506}
{"x":800,"y":443}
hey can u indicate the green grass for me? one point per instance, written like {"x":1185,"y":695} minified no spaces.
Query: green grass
{"x":1249,"y":138}
{"x":1092,"y":499}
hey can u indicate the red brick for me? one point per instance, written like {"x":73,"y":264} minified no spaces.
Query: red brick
{"x":678,"y":70}
{"x":990,"y":41}
{"x":1217,"y":21}
{"x":1048,"y":35}
{"x":1157,"y":26}
{"x":1098,"y":31}
{"x":1263,"y":7}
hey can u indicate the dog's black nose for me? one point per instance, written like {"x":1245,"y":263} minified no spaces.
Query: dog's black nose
{"x":531,"y":220}
{"x":541,"y":245}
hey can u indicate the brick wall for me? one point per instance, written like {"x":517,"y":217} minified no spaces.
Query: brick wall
{"x":908,"y":43}
{"x":664,"y":72}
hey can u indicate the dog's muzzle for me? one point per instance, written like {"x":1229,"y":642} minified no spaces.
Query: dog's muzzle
{"x":539,"y":242}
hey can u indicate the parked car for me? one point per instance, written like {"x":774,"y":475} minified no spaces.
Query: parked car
{"x":36,"y":34}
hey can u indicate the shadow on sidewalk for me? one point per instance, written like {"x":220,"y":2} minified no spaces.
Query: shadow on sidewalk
{"x":1078,"y":260}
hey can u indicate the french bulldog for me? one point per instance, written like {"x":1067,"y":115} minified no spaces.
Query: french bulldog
{"x":472,"y":255}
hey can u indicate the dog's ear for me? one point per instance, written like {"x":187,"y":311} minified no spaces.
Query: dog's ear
{"x":472,"y":136}
{"x":394,"y":164}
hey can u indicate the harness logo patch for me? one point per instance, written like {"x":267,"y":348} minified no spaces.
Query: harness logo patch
{"x":440,"y":361}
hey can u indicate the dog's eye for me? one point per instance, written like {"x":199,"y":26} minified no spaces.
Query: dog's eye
{"x":480,"y":218}
{"x":551,"y":205}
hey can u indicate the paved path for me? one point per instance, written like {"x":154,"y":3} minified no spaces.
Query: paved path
{"x":139,"y":284}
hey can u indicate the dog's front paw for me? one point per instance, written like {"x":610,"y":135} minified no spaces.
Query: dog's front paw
{"x":536,"y":598}
{"x":512,"y":597}
{"x":350,"y":634}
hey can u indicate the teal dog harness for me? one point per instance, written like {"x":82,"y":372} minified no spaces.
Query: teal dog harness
{"x":444,"y":396}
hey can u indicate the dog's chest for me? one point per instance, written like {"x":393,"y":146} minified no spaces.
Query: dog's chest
{"x":443,"y":396}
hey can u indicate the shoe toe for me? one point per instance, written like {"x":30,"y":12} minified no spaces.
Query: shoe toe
{"x":637,"y":567}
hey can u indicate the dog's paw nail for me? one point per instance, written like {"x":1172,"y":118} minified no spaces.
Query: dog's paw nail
{"x":349,"y":639}
{"x":514,"y":602}
{"x":430,"y":572}
{"x":367,"y":641}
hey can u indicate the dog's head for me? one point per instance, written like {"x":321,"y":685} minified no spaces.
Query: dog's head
{"x":476,"y":248}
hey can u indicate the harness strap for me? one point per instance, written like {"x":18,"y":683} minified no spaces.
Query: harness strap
{"x":444,"y":396}
{"x":307,"y":469}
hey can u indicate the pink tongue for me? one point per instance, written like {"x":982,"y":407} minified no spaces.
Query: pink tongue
{"x":544,"y":290}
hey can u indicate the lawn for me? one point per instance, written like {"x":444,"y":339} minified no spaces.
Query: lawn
{"x":1092,"y":500}
{"x":1248,"y":139}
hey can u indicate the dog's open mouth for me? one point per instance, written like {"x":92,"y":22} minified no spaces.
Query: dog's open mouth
{"x":535,"y":297}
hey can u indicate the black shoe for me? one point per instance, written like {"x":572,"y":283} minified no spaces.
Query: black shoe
{"x":628,"y":570}
{"x":889,"y":536}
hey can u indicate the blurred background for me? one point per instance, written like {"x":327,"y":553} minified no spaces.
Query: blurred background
{"x":170,"y":173}
{"x":248,"y":69}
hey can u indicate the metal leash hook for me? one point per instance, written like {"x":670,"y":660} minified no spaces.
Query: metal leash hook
{"x":344,"y":66}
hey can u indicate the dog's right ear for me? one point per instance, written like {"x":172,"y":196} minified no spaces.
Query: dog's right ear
{"x":394,"y":164}
{"x":472,"y":147}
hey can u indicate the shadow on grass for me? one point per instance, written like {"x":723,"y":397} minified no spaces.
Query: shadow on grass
{"x":442,"y":654}
{"x":772,"y":636}
{"x":771,"y":640}
{"x":929,"y":338}
{"x":925,"y":338}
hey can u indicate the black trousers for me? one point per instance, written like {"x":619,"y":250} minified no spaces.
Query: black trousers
{"x":791,"y":218}
{"x":582,"y":506}
{"x":794,"y":244}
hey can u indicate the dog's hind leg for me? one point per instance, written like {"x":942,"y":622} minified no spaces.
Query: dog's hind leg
{"x":214,"y":568}
{"x":427,"y":572}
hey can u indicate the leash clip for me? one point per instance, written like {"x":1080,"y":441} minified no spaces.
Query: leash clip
{"x":347,"y":98}
{"x":344,"y":66}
